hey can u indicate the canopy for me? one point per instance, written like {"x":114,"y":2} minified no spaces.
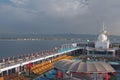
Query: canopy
{"x":86,"y":67}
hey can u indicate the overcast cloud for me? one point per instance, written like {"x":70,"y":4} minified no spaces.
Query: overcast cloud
{"x":59,"y":16}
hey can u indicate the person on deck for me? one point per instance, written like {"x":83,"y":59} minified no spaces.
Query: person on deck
{"x":59,"y":75}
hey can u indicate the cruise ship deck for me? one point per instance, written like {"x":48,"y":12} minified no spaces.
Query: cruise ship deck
{"x":28,"y":67}
{"x":30,"y":63}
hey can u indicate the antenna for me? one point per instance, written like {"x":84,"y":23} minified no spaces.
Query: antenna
{"x":103,"y":26}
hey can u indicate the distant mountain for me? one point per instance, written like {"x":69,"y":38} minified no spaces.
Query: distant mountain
{"x":67,"y":36}
{"x":47,"y":36}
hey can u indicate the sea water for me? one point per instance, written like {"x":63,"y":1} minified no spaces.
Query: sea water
{"x":9,"y":48}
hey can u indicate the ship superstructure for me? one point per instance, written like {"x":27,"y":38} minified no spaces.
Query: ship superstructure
{"x":102,"y":46}
{"x":102,"y":40}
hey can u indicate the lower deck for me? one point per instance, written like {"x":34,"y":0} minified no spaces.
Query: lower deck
{"x":43,"y":69}
{"x":52,"y":74}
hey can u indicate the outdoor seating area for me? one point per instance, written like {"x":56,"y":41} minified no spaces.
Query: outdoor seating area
{"x":14,"y":76}
{"x":42,"y":67}
{"x":62,"y":57}
{"x":47,"y":65}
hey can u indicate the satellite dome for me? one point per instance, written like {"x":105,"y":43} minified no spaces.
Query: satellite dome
{"x":102,"y":37}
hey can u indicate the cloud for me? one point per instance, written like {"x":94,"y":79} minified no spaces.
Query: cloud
{"x":67,"y":7}
{"x":65,"y":16}
{"x":19,"y":2}
{"x":53,"y":7}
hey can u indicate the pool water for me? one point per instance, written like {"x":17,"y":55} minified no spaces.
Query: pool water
{"x":50,"y":75}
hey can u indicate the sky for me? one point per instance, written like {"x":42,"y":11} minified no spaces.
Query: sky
{"x":59,"y":16}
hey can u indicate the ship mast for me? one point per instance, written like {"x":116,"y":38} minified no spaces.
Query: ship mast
{"x":103,"y":26}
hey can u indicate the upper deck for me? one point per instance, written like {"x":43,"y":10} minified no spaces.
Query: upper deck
{"x":24,"y":60}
